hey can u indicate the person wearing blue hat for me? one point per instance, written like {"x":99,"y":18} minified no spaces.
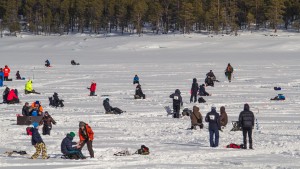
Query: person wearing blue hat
{"x":38,"y":143}
{"x":67,"y":147}
{"x":214,"y":126}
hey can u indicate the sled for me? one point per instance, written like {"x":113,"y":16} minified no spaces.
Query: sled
{"x":236,"y":126}
{"x":169,"y":110}
{"x":28,"y":120}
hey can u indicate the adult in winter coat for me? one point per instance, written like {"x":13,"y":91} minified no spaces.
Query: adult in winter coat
{"x":93,"y":88}
{"x":56,"y":102}
{"x":1,"y":77}
{"x":229,"y":71}
{"x":12,"y":98}
{"x":86,"y":136}
{"x":18,"y":76}
{"x":210,"y":78}
{"x":67,"y":148}
{"x":223,"y":117}
{"x":213,"y":120}
{"x":246,"y":121}
{"x":136,"y":79}
{"x":47,"y":120}
{"x":5,"y":94}
{"x":26,"y":110}
{"x":194,"y":91}
{"x":6,"y":71}
{"x":139,"y":92}
{"x":47,"y":63}
{"x":28,"y":87}
{"x":177,"y":102}
{"x":36,"y":106}
{"x":202,"y":91}
{"x":109,"y":109}
{"x":196,"y":118}
{"x":38,"y":143}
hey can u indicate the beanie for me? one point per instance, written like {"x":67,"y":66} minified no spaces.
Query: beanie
{"x":35,"y":124}
{"x":72,"y":134}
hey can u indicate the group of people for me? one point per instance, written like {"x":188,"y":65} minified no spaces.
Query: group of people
{"x":10,"y":96}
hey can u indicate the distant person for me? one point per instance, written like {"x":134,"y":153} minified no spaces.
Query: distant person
{"x":139,"y":92}
{"x":194,"y":91}
{"x":5,"y":94}
{"x":47,"y":63}
{"x":1,"y":77}
{"x":109,"y":109}
{"x":74,"y":63}
{"x":246,"y":121}
{"x":214,"y":126}
{"x":196,"y":118}
{"x":38,"y":143}
{"x":210,"y":78}
{"x":229,"y":71}
{"x":202,"y":91}
{"x":26,"y":110}
{"x":6,"y":71}
{"x":36,"y":106}
{"x":67,"y":147}
{"x":18,"y":76}
{"x":12,"y":97}
{"x":177,"y":102}
{"x":28,"y":88}
{"x":136,"y":79}
{"x":47,"y":120}
{"x":93,"y":88}
{"x":86,"y":136}
{"x":223,"y":117}
{"x":55,"y":101}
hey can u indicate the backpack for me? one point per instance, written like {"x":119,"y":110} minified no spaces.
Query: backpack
{"x":28,"y":131}
{"x":232,"y":145}
{"x":143,"y":150}
{"x":201,"y":100}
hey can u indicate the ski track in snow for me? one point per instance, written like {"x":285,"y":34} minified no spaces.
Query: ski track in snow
{"x":163,"y":63}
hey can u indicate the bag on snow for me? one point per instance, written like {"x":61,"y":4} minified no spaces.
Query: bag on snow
{"x":28,"y":131}
{"x":236,"y":146}
{"x":201,"y":100}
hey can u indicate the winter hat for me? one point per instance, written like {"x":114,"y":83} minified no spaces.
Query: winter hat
{"x":35,"y":124}
{"x":72,"y":134}
{"x":213,"y":107}
{"x":46,"y":113}
{"x":37,"y":102}
{"x":246,"y":107}
{"x":107,"y":99}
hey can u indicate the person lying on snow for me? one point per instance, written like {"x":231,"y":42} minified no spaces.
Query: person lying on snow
{"x":109,"y":109}
{"x":68,"y":150}
{"x":139,"y":93}
{"x":92,"y":88}
{"x":74,"y":63}
{"x":47,"y":120}
{"x":47,"y":63}
{"x":279,"y":97}
{"x":38,"y":143}
{"x":12,"y":97}
{"x":202,"y":91}
{"x":28,"y":88}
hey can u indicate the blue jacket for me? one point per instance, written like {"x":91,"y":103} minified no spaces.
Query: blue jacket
{"x":213,"y":120}
{"x":136,"y":78}
{"x":36,"y":137}
{"x":1,"y":78}
{"x":66,"y":144}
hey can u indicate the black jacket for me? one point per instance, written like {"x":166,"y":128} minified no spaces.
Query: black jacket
{"x":213,"y":119}
{"x":195,"y":87}
{"x":107,"y":106}
{"x":202,"y":91}
{"x":26,"y":111}
{"x":66,"y":144}
{"x":246,"y":118}
{"x":177,"y":99}
{"x":36,"y":137}
{"x":138,"y":90}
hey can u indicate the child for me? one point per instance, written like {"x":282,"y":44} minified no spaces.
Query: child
{"x":38,"y":143}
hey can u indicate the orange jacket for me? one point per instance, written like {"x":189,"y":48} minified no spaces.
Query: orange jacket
{"x":89,"y":133}
{"x":40,"y":108}
{"x":6,"y":71}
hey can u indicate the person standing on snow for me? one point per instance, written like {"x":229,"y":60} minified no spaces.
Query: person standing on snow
{"x":214,"y":126}
{"x":223,"y":117}
{"x":47,"y":120}
{"x":177,"y":102}
{"x":246,"y":121}
{"x":194,"y":91}
{"x":86,"y":136}
{"x":6,"y":71}
{"x":136,"y":79}
{"x":229,"y":71}
{"x":93,"y":88}
{"x":1,"y":77}
{"x":38,"y":143}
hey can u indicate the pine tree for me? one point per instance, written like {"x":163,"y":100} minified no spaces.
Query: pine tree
{"x":186,"y":16}
{"x":11,"y":19}
{"x":139,"y":9}
{"x":154,"y":14}
{"x":275,"y":13}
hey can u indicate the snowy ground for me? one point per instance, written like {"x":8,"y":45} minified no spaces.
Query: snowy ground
{"x":164,"y":63}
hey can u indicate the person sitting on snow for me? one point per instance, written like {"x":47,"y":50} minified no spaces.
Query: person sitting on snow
{"x":74,"y":63}
{"x":28,"y":88}
{"x":5,"y":94}
{"x":36,"y":106}
{"x":202,"y":91}
{"x":47,"y":63}
{"x":55,"y":101}
{"x":136,"y":79}
{"x":12,"y":97}
{"x":210,"y":78}
{"x":67,"y":148}
{"x":109,"y":109}
{"x":26,"y":110}
{"x":18,"y":76}
{"x":139,"y":93}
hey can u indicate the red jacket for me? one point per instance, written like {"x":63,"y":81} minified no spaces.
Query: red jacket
{"x":93,"y":87}
{"x":6,"y":71}
{"x":12,"y":95}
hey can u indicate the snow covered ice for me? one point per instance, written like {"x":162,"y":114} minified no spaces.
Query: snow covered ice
{"x":163,"y":63}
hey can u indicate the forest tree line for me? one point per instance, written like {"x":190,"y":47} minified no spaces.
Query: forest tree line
{"x":162,"y":16}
